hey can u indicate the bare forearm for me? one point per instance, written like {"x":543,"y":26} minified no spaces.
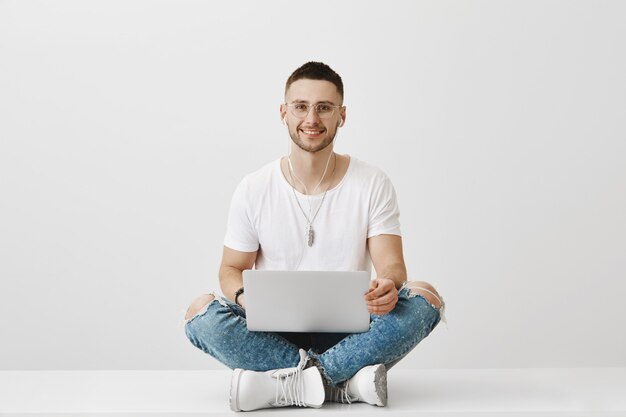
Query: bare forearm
{"x":395,"y":272}
{"x":231,"y":280}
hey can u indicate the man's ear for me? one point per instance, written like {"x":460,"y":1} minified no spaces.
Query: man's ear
{"x":342,"y":115}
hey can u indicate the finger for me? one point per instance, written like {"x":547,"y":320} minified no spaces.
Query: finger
{"x":382,"y":309}
{"x":378,"y":291}
{"x":385,"y":299}
{"x":383,"y":304}
{"x":391,"y":296}
{"x":372,"y":288}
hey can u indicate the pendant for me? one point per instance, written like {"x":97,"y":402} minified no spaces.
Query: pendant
{"x":311,"y":236}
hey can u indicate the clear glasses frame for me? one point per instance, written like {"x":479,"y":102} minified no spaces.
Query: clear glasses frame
{"x":323,"y":110}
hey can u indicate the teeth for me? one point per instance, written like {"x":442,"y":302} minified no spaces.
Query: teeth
{"x":312,"y":132}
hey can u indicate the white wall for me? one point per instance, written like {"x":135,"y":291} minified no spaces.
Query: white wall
{"x":122,"y":137}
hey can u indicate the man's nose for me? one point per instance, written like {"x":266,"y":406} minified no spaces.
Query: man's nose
{"x":312,"y":116}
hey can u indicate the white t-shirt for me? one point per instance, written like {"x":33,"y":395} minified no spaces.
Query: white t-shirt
{"x":264,"y":216}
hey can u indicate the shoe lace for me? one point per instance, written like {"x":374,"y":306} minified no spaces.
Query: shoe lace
{"x":290,"y":385}
{"x":339,"y":394}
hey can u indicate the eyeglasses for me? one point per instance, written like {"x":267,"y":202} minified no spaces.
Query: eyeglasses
{"x":301,"y":110}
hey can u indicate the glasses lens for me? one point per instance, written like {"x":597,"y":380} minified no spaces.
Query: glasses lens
{"x":324,"y":111}
{"x":301,"y":110}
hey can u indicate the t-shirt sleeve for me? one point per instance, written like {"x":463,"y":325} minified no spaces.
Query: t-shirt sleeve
{"x":384,"y":211}
{"x":241,"y":234}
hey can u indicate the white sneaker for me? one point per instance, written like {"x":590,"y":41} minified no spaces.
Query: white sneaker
{"x":368,"y":385}
{"x":251,"y":390}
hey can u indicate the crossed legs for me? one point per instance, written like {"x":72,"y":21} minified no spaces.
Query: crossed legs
{"x":217,"y":326}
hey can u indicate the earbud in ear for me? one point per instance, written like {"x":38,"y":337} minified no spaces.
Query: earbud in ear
{"x":285,"y":120}
{"x":340,"y":123}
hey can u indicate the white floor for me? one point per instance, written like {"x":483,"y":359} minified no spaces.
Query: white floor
{"x":444,"y":393}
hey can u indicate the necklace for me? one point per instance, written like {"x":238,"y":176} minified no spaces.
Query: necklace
{"x":309,"y":232}
{"x":292,"y":173}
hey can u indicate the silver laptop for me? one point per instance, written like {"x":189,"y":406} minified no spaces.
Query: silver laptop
{"x":306,"y":301}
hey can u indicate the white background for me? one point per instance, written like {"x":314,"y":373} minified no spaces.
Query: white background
{"x":126,"y":125}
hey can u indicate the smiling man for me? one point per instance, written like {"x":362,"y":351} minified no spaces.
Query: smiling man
{"x":336,"y":213}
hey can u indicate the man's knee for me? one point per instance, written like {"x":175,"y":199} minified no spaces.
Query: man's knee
{"x":425,"y":290}
{"x":198,"y":304}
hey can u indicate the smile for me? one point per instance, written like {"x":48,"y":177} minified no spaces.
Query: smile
{"x":311,"y":132}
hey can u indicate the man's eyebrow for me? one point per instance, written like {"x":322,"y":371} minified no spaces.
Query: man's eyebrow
{"x":319,"y":102}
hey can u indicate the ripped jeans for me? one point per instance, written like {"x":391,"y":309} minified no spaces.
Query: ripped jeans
{"x":219,"y":329}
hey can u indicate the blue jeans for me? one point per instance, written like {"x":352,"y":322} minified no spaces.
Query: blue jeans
{"x":220,"y":330}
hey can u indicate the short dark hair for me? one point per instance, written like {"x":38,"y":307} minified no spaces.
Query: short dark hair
{"x":316,"y":71}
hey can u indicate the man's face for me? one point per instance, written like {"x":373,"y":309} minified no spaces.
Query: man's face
{"x":312,"y":133}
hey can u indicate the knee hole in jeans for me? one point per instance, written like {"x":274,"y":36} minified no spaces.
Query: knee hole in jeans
{"x":198,"y":304}
{"x":430,"y":294}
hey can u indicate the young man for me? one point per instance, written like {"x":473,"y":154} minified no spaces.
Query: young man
{"x":314,"y":210}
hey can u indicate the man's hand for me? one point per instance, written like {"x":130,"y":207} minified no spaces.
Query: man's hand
{"x":241,"y":300}
{"x":382,"y":296}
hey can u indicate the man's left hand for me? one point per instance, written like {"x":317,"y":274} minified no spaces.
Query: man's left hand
{"x":382,"y":296}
